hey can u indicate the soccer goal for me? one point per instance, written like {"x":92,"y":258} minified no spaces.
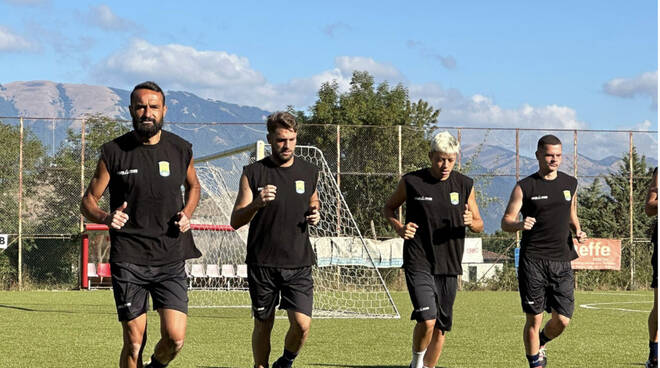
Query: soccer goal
{"x":346,"y":282}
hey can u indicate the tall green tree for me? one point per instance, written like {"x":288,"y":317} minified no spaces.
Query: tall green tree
{"x":368,"y":152}
{"x":606,"y":214}
{"x":33,"y":159}
{"x":63,"y":174}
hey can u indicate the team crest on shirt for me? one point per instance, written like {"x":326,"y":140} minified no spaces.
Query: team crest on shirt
{"x":300,"y":186}
{"x":567,"y":195}
{"x":453,"y":197}
{"x":164,"y":168}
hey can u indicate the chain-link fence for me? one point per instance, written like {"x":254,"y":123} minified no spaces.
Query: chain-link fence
{"x":45,"y":164}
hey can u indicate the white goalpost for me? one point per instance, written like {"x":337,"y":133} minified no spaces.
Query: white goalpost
{"x":347,"y":284}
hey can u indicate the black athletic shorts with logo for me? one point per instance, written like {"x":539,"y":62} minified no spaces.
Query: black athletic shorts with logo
{"x":546,"y":285}
{"x":432,"y":297}
{"x":267,"y":284}
{"x":132,"y":284}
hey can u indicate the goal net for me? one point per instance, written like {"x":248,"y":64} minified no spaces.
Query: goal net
{"x":347,"y":284}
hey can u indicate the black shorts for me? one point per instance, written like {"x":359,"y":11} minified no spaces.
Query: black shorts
{"x":432,"y":297}
{"x":266,"y":284}
{"x":132,"y":284}
{"x":546,"y":285}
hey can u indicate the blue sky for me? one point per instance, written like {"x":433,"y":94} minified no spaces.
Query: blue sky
{"x":560,"y":64}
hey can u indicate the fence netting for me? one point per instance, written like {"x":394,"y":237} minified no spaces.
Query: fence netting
{"x":46,"y":165}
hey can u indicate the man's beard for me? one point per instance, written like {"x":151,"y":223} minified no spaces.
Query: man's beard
{"x":147,"y":131}
{"x":280,"y":158}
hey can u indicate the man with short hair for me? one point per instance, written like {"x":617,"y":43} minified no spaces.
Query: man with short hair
{"x":440,"y":204}
{"x":548,"y":203}
{"x":278,"y":197}
{"x":651,"y":209}
{"x":149,"y":228}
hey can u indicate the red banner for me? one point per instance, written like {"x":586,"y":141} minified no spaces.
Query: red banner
{"x":598,"y":254}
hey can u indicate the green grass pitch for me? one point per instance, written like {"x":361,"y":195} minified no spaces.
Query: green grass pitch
{"x":79,"y":329}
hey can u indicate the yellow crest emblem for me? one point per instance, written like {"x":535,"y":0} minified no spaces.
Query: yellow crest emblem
{"x":300,"y":186}
{"x":567,"y":195}
{"x":164,"y":168}
{"x":453,"y":197}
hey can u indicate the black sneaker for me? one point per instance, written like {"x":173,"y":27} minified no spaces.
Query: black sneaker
{"x":651,"y":364}
{"x":281,"y":363}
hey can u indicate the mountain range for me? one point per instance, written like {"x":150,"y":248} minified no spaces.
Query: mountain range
{"x":197,"y":120}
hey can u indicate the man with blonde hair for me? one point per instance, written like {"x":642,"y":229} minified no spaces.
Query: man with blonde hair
{"x":440,"y":204}
{"x":278,"y":197}
{"x":547,"y":201}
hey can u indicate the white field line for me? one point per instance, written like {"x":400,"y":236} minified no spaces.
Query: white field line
{"x":597,"y":306}
{"x":613,"y":293}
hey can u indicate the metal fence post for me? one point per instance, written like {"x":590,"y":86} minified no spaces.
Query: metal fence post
{"x":20,"y":208}
{"x":82,"y":168}
{"x":338,"y":142}
{"x":517,"y":174}
{"x":630,"y":212}
{"x":575,"y":154}
{"x":400,"y":169}
{"x":460,"y":149}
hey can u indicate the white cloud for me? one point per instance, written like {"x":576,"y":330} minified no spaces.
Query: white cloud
{"x":645,"y":84}
{"x":482,"y":111}
{"x":223,"y":76}
{"x":9,"y":41}
{"x":103,"y":17}
{"x":380,"y":71}
{"x":229,"y":77}
{"x":182,"y":66}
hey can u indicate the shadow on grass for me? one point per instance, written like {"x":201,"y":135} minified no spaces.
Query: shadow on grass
{"x":24,"y":309}
{"x":334,"y":365}
{"x":365,"y":366}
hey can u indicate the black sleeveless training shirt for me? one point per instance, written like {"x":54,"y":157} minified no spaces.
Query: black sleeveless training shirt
{"x":278,"y":235}
{"x":149,"y":178}
{"x":437,"y":208}
{"x":549,"y":202}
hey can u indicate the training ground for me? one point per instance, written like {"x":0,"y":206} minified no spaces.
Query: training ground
{"x":80,"y":329}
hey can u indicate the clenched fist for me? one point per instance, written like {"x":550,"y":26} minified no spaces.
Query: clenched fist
{"x":408,"y":230}
{"x":528,"y":223}
{"x":266,"y":195}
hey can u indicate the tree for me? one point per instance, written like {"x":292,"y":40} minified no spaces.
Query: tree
{"x":33,"y":158}
{"x":367,"y":150}
{"x":63,"y":174}
{"x":607,"y":214}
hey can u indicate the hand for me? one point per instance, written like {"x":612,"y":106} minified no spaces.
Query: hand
{"x":314,"y":216}
{"x":408,"y":230}
{"x":266,"y":195}
{"x":581,"y":236}
{"x":467,"y":216}
{"x":528,"y":223}
{"x":183,"y":222}
{"x":117,"y":219}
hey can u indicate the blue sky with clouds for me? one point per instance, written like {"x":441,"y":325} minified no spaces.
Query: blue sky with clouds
{"x":560,"y":64}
